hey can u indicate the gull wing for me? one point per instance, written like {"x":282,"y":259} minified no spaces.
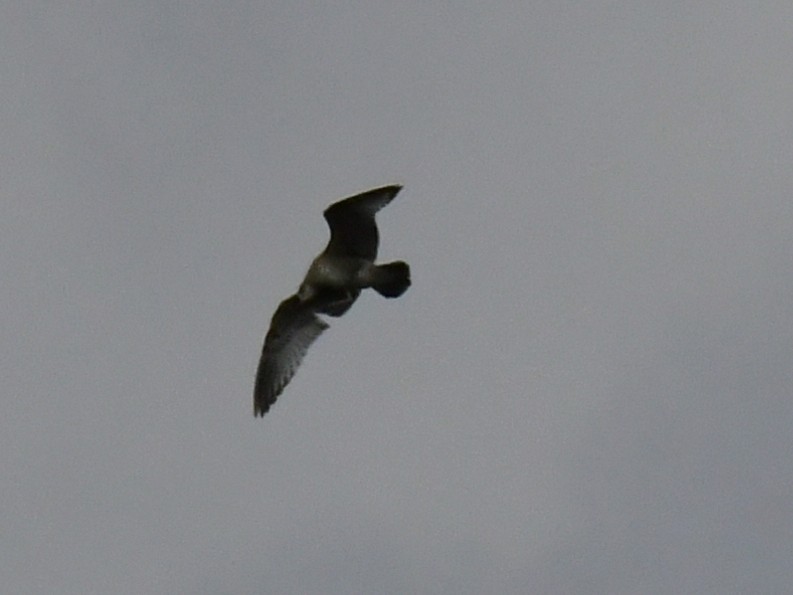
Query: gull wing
{"x":353,"y":232}
{"x":294,"y":327}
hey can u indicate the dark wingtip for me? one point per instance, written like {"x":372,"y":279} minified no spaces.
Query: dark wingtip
{"x":390,"y":188}
{"x":259,"y":410}
{"x":395,"y":188}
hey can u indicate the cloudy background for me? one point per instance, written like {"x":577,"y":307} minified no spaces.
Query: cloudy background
{"x":588,"y":389}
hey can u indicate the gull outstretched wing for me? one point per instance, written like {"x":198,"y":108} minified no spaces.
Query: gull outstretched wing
{"x":353,"y":232}
{"x":294,"y":327}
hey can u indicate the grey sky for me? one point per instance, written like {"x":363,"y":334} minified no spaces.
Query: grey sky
{"x":587,"y":389}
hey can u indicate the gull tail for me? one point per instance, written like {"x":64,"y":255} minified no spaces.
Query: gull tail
{"x":391,"y":280}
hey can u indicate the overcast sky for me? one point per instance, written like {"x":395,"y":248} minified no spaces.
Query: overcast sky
{"x":587,"y":389}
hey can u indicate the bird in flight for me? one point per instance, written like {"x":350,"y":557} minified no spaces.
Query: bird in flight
{"x":332,"y":284}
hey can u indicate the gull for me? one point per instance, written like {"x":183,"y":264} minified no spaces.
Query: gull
{"x":332,"y":284}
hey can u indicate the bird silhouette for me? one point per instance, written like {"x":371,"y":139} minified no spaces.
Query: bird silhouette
{"x":332,"y":284}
